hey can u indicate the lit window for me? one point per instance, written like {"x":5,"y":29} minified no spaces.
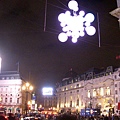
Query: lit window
{"x":108,"y":91}
{"x":88,"y":93}
{"x":101,"y":91}
{"x":94,"y":93}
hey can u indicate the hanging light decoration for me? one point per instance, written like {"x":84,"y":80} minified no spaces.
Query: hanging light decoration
{"x":74,"y":25}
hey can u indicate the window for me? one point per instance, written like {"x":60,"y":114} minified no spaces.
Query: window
{"x":78,"y":102}
{"x":17,"y":100}
{"x":94,"y":93}
{"x":116,"y":100}
{"x":1,"y":99}
{"x":108,"y":91}
{"x":77,"y":90}
{"x":10,"y":100}
{"x":115,"y":91}
{"x":5,"y":99}
{"x":101,"y":91}
{"x":77,"y":85}
{"x":115,"y":85}
{"x":88,"y":93}
{"x":65,"y":99}
{"x":70,"y":103}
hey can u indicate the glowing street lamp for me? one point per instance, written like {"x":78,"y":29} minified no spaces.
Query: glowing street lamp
{"x":74,"y":25}
{"x":27,"y":88}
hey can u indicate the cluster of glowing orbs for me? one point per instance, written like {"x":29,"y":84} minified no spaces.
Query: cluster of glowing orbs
{"x":75,"y":25}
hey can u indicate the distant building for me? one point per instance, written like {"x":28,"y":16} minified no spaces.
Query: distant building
{"x":12,"y":98}
{"x":96,"y":88}
{"x":50,"y":102}
{"x":116,"y":12}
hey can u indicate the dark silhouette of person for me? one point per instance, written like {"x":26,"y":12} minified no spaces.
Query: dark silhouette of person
{"x":11,"y":117}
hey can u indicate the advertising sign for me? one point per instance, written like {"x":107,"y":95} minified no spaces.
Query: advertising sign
{"x":47,"y":91}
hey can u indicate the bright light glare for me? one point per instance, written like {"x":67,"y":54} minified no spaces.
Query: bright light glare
{"x":89,"y":17}
{"x":90,"y":30}
{"x":27,"y":84}
{"x":61,"y":17}
{"x":82,"y":13}
{"x":23,"y":87}
{"x":31,"y":88}
{"x":74,"y":40}
{"x":47,"y":91}
{"x":72,"y":4}
{"x":74,"y":25}
{"x":62,"y":37}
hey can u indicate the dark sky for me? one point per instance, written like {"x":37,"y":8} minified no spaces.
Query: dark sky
{"x":43,"y":59}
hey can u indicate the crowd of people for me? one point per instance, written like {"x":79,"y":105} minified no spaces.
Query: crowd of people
{"x":79,"y":117}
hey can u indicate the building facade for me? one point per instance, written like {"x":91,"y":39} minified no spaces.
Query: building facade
{"x":96,"y":88}
{"x":12,"y":98}
{"x":50,"y":102}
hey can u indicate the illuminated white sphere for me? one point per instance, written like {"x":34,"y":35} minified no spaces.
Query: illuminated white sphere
{"x":82,"y":33}
{"x":62,"y":37}
{"x":72,"y":4}
{"x":68,"y":13}
{"x":87,"y":23}
{"x":90,"y":30}
{"x":76,"y":9}
{"x":74,"y":39}
{"x":89,"y":17}
{"x":62,"y":24}
{"x":69,"y":33}
{"x":81,"y":13}
{"x":61,"y":17}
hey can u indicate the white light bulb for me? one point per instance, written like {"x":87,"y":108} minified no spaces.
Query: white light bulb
{"x":90,"y":30}
{"x":61,"y":17}
{"x":74,"y":39}
{"x":72,"y":4}
{"x":89,"y":17}
{"x":62,"y":37}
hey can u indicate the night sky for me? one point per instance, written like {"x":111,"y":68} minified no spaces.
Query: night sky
{"x":42,"y":58}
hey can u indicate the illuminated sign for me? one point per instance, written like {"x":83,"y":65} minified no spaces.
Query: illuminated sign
{"x":47,"y":91}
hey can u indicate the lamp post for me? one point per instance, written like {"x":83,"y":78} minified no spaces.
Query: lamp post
{"x":75,"y":24}
{"x":27,"y":88}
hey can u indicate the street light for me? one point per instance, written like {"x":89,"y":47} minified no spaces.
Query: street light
{"x":27,"y":88}
{"x":75,"y":24}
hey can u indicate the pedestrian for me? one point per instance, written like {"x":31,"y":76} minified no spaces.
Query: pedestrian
{"x":11,"y":117}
